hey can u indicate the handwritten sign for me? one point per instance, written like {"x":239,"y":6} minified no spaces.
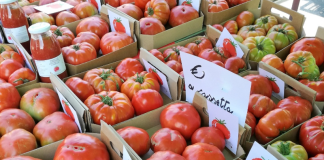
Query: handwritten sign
{"x":54,"y":7}
{"x":118,"y":23}
{"x":126,"y":155}
{"x":278,"y":85}
{"x":227,"y":41}
{"x":195,"y":3}
{"x":21,"y":50}
{"x":257,"y":152}
{"x":220,"y":86}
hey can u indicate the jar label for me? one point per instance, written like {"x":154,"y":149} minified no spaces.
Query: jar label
{"x":46,"y":67}
{"x":20,"y":33}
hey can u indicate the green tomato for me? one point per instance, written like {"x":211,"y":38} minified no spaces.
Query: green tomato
{"x":290,"y":150}
{"x":259,"y":47}
{"x":282,"y":35}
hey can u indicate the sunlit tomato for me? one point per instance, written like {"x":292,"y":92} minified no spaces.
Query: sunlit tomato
{"x":175,"y":65}
{"x":166,"y":139}
{"x":9,"y":97}
{"x":93,"y":24}
{"x":231,"y":26}
{"x":260,"y":105}
{"x":217,"y":5}
{"x":85,"y":9}
{"x":220,"y":63}
{"x":141,"y":4}
{"x":81,"y":146}
{"x":316,"y":86}
{"x":235,"y":65}
{"x":266,"y":22}
{"x":82,"y":89}
{"x":282,"y":35}
{"x":202,"y":151}
{"x":43,"y":2}
{"x":146,"y":100}
{"x":29,"y":9}
{"x":21,"y":158}
{"x":251,"y":121}
{"x":79,"y":53}
{"x":245,"y":18}
{"x":198,"y":45}
{"x":12,"y":55}
{"x":209,"y":135}
{"x":313,"y":45}
{"x":274,"y":61}
{"x":66,"y":17}
{"x":182,"y":117}
{"x":251,"y":31}
{"x":41,"y":17}
{"x":7,"y":67}
{"x":158,"y":9}
{"x":151,"y":26}
{"x":88,"y":37}
{"x":21,"y":76}
{"x":259,"y":46}
{"x":16,"y":142}
{"x":157,"y":54}
{"x":128,"y":68}
{"x":160,"y":155}
{"x":131,"y":10}
{"x":63,"y":35}
{"x":218,"y":26}
{"x":259,"y":85}
{"x":114,"y":3}
{"x":182,"y":14}
{"x":114,"y":41}
{"x":238,"y":38}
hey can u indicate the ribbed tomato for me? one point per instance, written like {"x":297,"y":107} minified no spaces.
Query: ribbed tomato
{"x":259,"y":46}
{"x":316,"y":86}
{"x":21,"y":76}
{"x":219,"y":54}
{"x":63,"y":35}
{"x":93,"y":24}
{"x":266,"y":22}
{"x":282,"y":35}
{"x":251,"y":31}
{"x":79,"y":53}
{"x":274,"y":61}
{"x":259,"y":85}
{"x":260,"y":105}
{"x":217,"y":5}
{"x":174,"y":53}
{"x":251,"y":121}
{"x":151,"y":26}
{"x":128,"y":68}
{"x":12,"y":55}
{"x":131,"y":10}
{"x":313,"y":45}
{"x":166,"y":139}
{"x":7,"y":67}
{"x":157,"y":54}
{"x":66,"y":17}
{"x":231,"y":26}
{"x":84,"y":10}
{"x":81,"y":88}
{"x":89,"y":37}
{"x":158,"y":9}
{"x":174,"y":65}
{"x":235,"y":65}
{"x":114,"y":41}
{"x":198,"y":45}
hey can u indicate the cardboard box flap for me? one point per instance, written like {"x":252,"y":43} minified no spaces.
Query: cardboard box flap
{"x":22,"y":90}
{"x":320,"y":32}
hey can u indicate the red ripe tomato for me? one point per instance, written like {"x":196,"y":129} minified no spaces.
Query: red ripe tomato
{"x":40,"y":102}
{"x":89,"y":37}
{"x":299,"y":108}
{"x":66,"y":17}
{"x":321,"y":77}
{"x":93,"y":24}
{"x":85,"y":9}
{"x":128,"y":68}
{"x":160,"y":155}
{"x":114,"y":3}
{"x":218,"y":26}
{"x":210,"y":55}
{"x":202,"y":151}
{"x":131,"y":10}
{"x":313,"y":45}
{"x":151,"y":26}
{"x":231,"y":26}
{"x":251,"y":121}
{"x":316,"y":86}
{"x":146,"y":100}
{"x":198,"y":45}
{"x":136,"y":138}
{"x":182,"y":14}
{"x":209,"y":135}
{"x":158,"y":9}
{"x":157,"y":54}
{"x":81,"y":146}
{"x":175,"y":65}
{"x":245,"y":18}
{"x":122,"y":2}
{"x":7,"y":67}
{"x":21,"y":76}
{"x":82,"y":89}
{"x":21,"y":158}
{"x":73,"y":2}
{"x":174,"y":53}
{"x":317,"y":157}
{"x":43,"y":2}
{"x":236,"y":2}
{"x":171,"y":3}
{"x":182,"y":117}
{"x":54,"y":127}
{"x":220,"y":63}
{"x":11,"y":119}
{"x":9,"y":96}
{"x":259,"y":85}
{"x":141,"y":4}
{"x":29,"y":9}
{"x":79,"y":53}
{"x":12,"y":55}
{"x":112,"y":107}
{"x":166,"y":139}
{"x":114,"y":41}
{"x":16,"y":142}
{"x":235,"y":65}
{"x":260,"y":105}
{"x":41,"y":17}
{"x":63,"y":35}
{"x":274,"y":61}
{"x":217,"y":5}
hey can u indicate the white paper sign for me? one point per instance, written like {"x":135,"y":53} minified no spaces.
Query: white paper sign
{"x":257,"y":152}
{"x":231,"y":122}
{"x":118,"y":23}
{"x":126,"y":155}
{"x":54,"y":7}
{"x":68,"y":109}
{"x":195,"y":3}
{"x":164,"y":86}
{"x":278,"y":85}
{"x":227,"y":90}
{"x":225,"y":40}
{"x":21,"y":50}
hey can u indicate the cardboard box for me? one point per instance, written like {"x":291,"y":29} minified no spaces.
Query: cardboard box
{"x":305,"y":93}
{"x":153,"y":125}
{"x":219,"y":17}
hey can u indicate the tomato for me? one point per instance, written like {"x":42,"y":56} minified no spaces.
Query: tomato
{"x":220,"y":63}
{"x":146,"y":100}
{"x":238,"y":38}
{"x":266,"y":22}
{"x":317,"y":157}
{"x":174,"y":53}
{"x":113,"y":41}
{"x":198,"y":45}
{"x":41,"y":17}
{"x":217,"y":6}
{"x":275,"y":87}
{"x":131,"y":10}
{"x":122,"y":2}
{"x":321,"y":77}
{"x":251,"y":121}
{"x":79,"y":53}
{"x":274,"y":61}
{"x":301,"y":64}
{"x":93,"y":24}
{"x":66,"y":17}
{"x":29,"y":9}
{"x":12,"y":55}
{"x":16,"y":142}
{"x":231,"y":26}
{"x":213,"y":54}
{"x":9,"y":96}
{"x":21,"y":76}
{"x":259,"y":46}
{"x":7,"y":67}
{"x":172,"y":3}
{"x":230,"y":46}
{"x":260,"y":105}
{"x":182,"y":117}
{"x":114,"y":3}
{"x":251,"y":31}
{"x":151,"y":26}
{"x":2,"y":81}
{"x":40,"y":102}
{"x":112,"y":107}
{"x":103,"y":80}
{"x":141,"y":4}
{"x":290,"y":150}
{"x":316,"y":86}
{"x":313,"y":45}
{"x":88,"y":37}
{"x":182,"y":14}
{"x":67,"y":109}
{"x":175,"y":65}
{"x":245,"y":18}
{"x":166,"y":155}
{"x":63,"y":35}
{"x":273,"y":124}
{"x":235,"y":65}
{"x":259,"y":85}
{"x":157,"y":54}
{"x":209,"y":135}
{"x":218,"y":26}
{"x":158,"y":9}
{"x":4,"y":47}
{"x":21,"y":158}
{"x":43,"y":2}
{"x":73,"y":2}
{"x":82,"y":147}
{"x":128,"y":68}
{"x":282,"y":35}
{"x":202,"y":151}
{"x":154,"y":72}
{"x":82,"y":89}
{"x":236,"y":2}
{"x":166,"y":139}
{"x":85,"y":9}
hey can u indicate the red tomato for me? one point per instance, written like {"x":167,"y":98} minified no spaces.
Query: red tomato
{"x":81,"y":146}
{"x":128,"y":68}
{"x":209,"y":135}
{"x":63,"y":35}
{"x":251,"y":121}
{"x":40,"y":102}
{"x":158,"y":9}
{"x":236,"y":2}
{"x":259,"y":85}
{"x":93,"y":24}
{"x":165,"y":155}
{"x":274,"y":85}
{"x":131,"y":10}
{"x":29,"y":9}
{"x":79,"y":53}
{"x":313,"y":45}
{"x":12,"y":55}
{"x":317,"y":157}
{"x":151,"y":26}
{"x":202,"y":151}
{"x":122,"y":2}
{"x":21,"y":158}
{"x":154,"y":72}
{"x":89,"y":37}
{"x":182,"y":117}
{"x":316,"y":86}
{"x":9,"y":96}
{"x":82,"y":89}
{"x":231,"y":26}
{"x":21,"y":76}
{"x":218,"y":26}
{"x":171,"y":3}
{"x":321,"y":77}
{"x":174,"y":53}
{"x":141,"y":4}
{"x":198,"y":45}
{"x":210,"y":55}
{"x":114,"y":3}
{"x":113,"y":41}
{"x":66,"y":17}
{"x":43,"y":2}
{"x":182,"y":14}
{"x":274,"y":61}
{"x":136,"y":138}
{"x":235,"y":65}
{"x":157,"y":54}
{"x":245,"y":18}
{"x":175,"y":65}
{"x":220,"y":63}
{"x":54,"y":127}
{"x":260,"y":105}
{"x":146,"y":100}
{"x":217,"y":5}
{"x":41,"y":17}
{"x":7,"y":67}
{"x":230,"y":46}
{"x":85,"y":9}
{"x":16,"y":142}
{"x":166,"y":139}
{"x":220,"y":124}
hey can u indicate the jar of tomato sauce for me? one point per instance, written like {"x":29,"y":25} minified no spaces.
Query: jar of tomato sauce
{"x":15,"y":22}
{"x":46,"y":52}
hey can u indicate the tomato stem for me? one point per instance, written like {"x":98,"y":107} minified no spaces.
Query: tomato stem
{"x":150,"y":11}
{"x":104,"y":75}
{"x":106,"y":100}
{"x":322,"y":126}
{"x":166,"y":58}
{"x":2,"y":49}
{"x":139,"y":79}
{"x":198,"y":42}
{"x":284,"y":149}
{"x":219,"y":52}
{"x":299,"y":62}
{"x":241,"y":70}
{"x":252,"y":28}
{"x":76,"y":47}
{"x":58,"y":32}
{"x":20,"y":79}
{"x":265,"y":20}
{"x":283,"y":31}
{"x":188,"y":1}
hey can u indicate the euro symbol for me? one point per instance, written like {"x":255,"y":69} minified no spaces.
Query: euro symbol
{"x":194,"y":72}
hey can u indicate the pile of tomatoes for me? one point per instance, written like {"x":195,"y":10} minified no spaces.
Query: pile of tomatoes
{"x":220,"y":5}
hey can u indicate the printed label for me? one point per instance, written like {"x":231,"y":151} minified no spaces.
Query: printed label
{"x":20,"y":34}
{"x":55,"y":65}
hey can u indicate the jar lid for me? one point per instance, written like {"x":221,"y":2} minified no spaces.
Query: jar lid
{"x":38,"y":28}
{"x":7,"y":1}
